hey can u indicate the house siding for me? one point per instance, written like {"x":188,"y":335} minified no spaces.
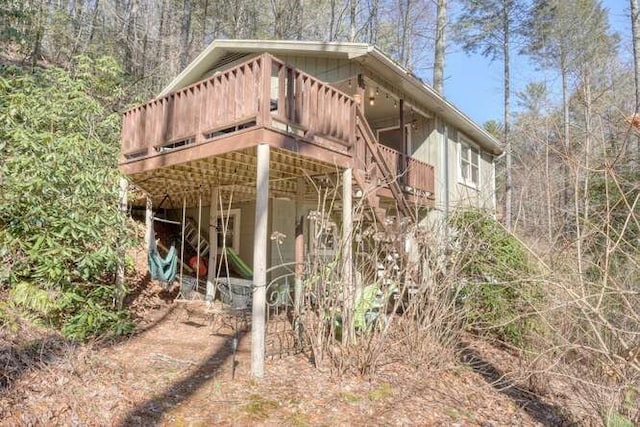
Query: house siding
{"x":325,"y":69}
{"x":463,"y":195}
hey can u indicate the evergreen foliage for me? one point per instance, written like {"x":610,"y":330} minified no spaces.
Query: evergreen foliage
{"x":59,"y":218}
{"x":500,"y":292}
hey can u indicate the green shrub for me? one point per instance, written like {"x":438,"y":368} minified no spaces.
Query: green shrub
{"x":500,"y":287}
{"x":59,"y":218}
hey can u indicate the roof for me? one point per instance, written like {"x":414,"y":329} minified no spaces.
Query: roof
{"x":368,"y":56}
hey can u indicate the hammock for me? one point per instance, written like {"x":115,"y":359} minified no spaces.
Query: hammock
{"x":238,"y":263}
{"x":163,"y":269}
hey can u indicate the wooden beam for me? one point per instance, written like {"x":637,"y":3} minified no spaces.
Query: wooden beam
{"x":264,"y":113}
{"x":238,"y":141}
{"x":260,"y":263}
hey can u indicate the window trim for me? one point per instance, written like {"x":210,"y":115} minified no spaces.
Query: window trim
{"x":465,"y":143}
{"x":235,"y":213}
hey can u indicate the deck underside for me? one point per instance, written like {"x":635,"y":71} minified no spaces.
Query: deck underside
{"x":181,"y":173}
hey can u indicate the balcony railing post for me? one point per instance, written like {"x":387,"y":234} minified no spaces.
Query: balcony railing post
{"x":290,"y":95}
{"x":356,"y":149}
{"x":264,"y":114}
{"x":282,"y":73}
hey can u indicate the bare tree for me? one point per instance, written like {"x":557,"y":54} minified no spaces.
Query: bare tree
{"x":635,"y":33}
{"x":353,"y":25}
{"x":185,"y":31}
{"x":569,"y":36}
{"x":488,"y":27}
{"x":438,"y":62}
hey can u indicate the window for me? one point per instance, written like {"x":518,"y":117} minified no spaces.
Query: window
{"x":228,"y":230}
{"x":469,"y":165}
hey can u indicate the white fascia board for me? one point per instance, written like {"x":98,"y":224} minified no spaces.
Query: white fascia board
{"x":196,"y":68}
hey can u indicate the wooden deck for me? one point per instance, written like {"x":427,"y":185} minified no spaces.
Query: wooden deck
{"x":206,"y":134}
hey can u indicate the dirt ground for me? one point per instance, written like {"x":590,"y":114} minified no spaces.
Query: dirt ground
{"x":177,"y":370}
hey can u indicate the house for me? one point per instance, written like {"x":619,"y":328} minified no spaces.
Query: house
{"x":251,"y":132}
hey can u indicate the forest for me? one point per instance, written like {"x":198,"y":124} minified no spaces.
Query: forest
{"x":564,"y":257}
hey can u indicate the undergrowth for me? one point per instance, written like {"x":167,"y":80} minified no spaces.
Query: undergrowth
{"x":59,"y":220}
{"x":500,"y":286}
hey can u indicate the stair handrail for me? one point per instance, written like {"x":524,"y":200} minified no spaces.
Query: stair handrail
{"x":372,"y":144}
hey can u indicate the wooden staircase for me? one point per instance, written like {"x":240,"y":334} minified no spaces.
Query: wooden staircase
{"x":372,"y":173}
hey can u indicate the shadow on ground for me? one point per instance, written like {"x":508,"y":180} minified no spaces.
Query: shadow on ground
{"x":152,"y":410}
{"x":540,"y":411}
{"x":18,"y":357}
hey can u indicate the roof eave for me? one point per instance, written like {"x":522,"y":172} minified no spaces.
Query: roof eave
{"x":446,"y":109}
{"x":203,"y":62}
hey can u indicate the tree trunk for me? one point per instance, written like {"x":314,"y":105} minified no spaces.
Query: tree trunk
{"x":353,"y":5}
{"x":332,"y":21}
{"x":507,"y":113}
{"x":94,"y":21}
{"x":185,"y":29}
{"x":635,"y":31}
{"x":438,"y":62}
{"x":203,"y":32}
{"x":566,"y":136}
{"x":373,"y":21}
{"x":404,"y":44}
{"x":299,"y":19}
{"x":37,"y":41}
{"x":129,"y":36}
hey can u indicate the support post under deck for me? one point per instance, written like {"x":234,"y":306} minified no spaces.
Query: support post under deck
{"x":120,"y":291}
{"x":347,"y":255}
{"x":148,"y":223}
{"x":260,"y":263}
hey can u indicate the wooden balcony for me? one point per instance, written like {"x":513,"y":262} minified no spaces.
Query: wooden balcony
{"x":262,"y":100}
{"x":411,"y":173}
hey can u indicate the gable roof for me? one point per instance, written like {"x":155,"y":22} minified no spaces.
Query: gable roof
{"x":368,"y":56}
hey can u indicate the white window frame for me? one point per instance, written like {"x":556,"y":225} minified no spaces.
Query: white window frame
{"x":464,"y":144}
{"x":235,"y":214}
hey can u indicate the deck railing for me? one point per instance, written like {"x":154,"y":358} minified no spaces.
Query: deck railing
{"x":419,"y":175}
{"x":313,"y":105}
{"x":195,"y":112}
{"x":410,"y":172}
{"x":394,"y":160}
{"x":252,"y":92}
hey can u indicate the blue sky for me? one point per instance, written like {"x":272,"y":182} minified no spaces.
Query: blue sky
{"x":474,"y":84}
